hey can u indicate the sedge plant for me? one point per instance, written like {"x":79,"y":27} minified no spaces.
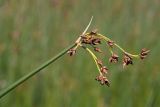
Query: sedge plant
{"x":93,"y":39}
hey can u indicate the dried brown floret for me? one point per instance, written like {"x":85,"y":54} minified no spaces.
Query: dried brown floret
{"x":103,"y":80}
{"x":127,"y":60}
{"x":114,"y":58}
{"x":91,"y":39}
{"x":97,"y":49}
{"x":86,"y":39}
{"x":99,"y":62}
{"x":104,"y":70}
{"x":144,"y":53}
{"x":71,"y":52}
{"x":110,"y":43}
{"x":96,"y":41}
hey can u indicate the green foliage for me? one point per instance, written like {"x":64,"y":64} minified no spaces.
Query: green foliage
{"x":32,"y":31}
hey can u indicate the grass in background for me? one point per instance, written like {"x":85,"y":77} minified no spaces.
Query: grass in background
{"x":33,"y":31}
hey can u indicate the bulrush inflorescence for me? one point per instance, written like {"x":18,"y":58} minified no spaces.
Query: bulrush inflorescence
{"x":93,"y":39}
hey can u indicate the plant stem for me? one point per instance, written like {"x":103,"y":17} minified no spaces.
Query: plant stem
{"x":107,"y":39}
{"x":29,"y":75}
{"x":94,"y":57}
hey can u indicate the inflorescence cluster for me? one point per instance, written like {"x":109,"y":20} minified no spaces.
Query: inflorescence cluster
{"x":93,"y":39}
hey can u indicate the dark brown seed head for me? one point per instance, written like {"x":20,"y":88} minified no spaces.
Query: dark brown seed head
{"x":97,"y":49}
{"x":71,"y":52}
{"x":99,"y":78}
{"x":106,"y":82}
{"x":99,"y":63}
{"x":103,"y":80}
{"x":114,"y":58}
{"x":144,"y":53}
{"x":127,"y":60}
{"x":87,"y":40}
{"x":110,"y":43}
{"x":104,"y":70}
{"x":96,"y":41}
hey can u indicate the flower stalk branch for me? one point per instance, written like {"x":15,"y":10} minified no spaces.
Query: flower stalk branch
{"x":94,"y":58}
{"x":93,"y":39}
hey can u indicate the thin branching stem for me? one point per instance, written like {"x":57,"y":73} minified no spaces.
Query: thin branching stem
{"x":94,"y":57}
{"x":107,"y":39}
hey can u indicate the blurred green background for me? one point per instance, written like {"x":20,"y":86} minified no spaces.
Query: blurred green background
{"x":32,"y":31}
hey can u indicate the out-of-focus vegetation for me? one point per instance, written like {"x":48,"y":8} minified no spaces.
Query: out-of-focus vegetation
{"x":32,"y":31}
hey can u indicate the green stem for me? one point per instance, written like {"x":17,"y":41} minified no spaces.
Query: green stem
{"x":107,"y":39}
{"x":29,"y":75}
{"x":94,"y":57}
{"x":133,"y":55}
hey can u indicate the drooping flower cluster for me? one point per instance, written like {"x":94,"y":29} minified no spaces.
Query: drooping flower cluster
{"x":93,"y":39}
{"x":114,"y":58}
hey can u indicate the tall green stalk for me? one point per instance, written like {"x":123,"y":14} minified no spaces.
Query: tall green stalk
{"x":29,"y":75}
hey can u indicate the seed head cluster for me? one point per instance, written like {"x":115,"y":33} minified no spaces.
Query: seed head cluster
{"x":94,"y":39}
